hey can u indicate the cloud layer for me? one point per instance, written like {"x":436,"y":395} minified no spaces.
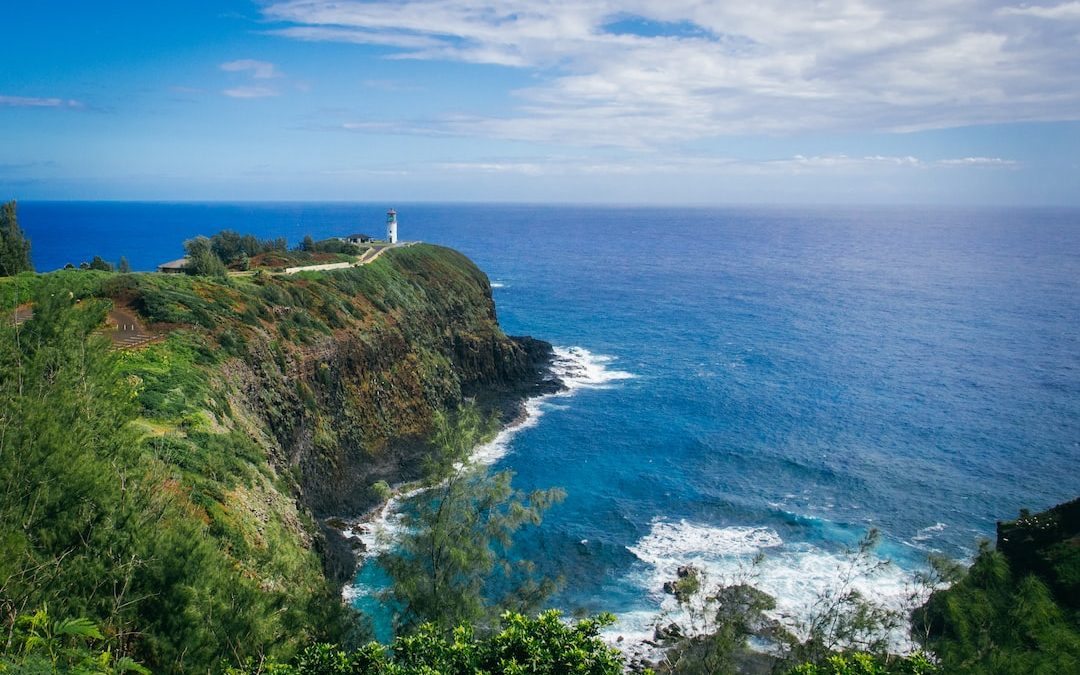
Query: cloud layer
{"x":257,"y":70}
{"x":31,"y":102}
{"x":644,"y":74}
{"x":260,"y":70}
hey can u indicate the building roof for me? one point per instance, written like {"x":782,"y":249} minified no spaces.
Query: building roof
{"x":179,"y":264}
{"x":359,"y":236}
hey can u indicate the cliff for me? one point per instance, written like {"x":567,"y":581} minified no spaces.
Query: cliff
{"x":256,"y":407}
{"x":336,"y":376}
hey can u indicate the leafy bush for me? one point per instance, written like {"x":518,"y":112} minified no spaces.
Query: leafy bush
{"x":995,"y":621}
{"x":524,"y":646}
{"x":861,"y":663}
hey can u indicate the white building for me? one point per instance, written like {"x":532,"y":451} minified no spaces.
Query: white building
{"x":391,"y":226}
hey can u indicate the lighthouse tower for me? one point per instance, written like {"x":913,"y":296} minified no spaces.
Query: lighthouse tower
{"x":391,"y":226}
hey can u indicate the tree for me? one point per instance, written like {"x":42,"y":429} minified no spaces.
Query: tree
{"x":994,"y":620}
{"x":14,"y":246}
{"x":90,"y":527}
{"x":458,"y":532}
{"x":842,"y":618}
{"x":202,"y":261}
{"x":308,"y":244}
{"x":124,"y":267}
{"x":99,"y":263}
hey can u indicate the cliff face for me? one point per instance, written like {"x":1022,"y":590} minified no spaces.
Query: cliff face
{"x":173,"y":493}
{"x":354,"y":407}
{"x":326,"y":383}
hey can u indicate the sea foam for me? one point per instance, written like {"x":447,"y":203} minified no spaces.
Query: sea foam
{"x":576,"y":367}
{"x":797,"y":575}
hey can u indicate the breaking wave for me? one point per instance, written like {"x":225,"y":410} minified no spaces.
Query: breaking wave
{"x":796,"y":575}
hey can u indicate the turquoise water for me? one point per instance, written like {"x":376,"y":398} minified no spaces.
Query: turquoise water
{"x":791,"y":377}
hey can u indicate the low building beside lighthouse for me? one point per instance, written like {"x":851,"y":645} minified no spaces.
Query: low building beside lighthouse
{"x":391,"y":226}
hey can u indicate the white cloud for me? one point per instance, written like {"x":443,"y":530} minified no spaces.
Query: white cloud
{"x":762,"y":67}
{"x":690,"y":165}
{"x":979,"y":161}
{"x":250,"y":91}
{"x":1064,"y":11}
{"x":31,"y":102}
{"x":260,"y":70}
{"x":526,"y":168}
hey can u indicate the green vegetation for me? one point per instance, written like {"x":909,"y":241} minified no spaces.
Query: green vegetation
{"x":159,"y":505}
{"x":232,"y":247}
{"x":14,"y":246}
{"x":228,"y":250}
{"x":333,"y":245}
{"x":100,"y":264}
{"x":993,"y":622}
{"x":1014,"y":611}
{"x":524,"y":646}
{"x":202,"y":259}
{"x":723,"y":617}
{"x":443,"y":561}
{"x":860,"y":663}
{"x":154,"y":491}
{"x":97,"y":522}
{"x":39,"y":644}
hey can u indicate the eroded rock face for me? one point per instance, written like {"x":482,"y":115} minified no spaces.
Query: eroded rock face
{"x":356,"y":406}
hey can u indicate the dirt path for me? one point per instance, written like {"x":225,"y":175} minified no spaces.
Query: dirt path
{"x":126,"y":331}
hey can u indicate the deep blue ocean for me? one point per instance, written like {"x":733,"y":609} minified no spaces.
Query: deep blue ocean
{"x":771,"y":380}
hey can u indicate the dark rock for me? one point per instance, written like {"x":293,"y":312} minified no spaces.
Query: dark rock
{"x":356,"y":406}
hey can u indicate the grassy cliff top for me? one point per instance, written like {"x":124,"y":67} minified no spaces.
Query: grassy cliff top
{"x":256,"y":392}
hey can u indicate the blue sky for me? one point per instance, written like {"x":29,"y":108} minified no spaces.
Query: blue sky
{"x":681,"y":101}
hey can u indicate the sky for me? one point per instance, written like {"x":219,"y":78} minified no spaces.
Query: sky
{"x":632,"y":102}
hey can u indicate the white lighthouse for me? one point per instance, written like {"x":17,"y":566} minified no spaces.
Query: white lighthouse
{"x":391,"y":226}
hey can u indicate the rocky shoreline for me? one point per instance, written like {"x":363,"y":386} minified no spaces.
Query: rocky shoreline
{"x":341,"y":545}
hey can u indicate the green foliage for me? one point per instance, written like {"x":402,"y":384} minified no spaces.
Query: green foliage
{"x":20,"y":289}
{"x":861,"y":663}
{"x":123,"y":267}
{"x":231,"y":247}
{"x":156,"y":549}
{"x":460,"y":531}
{"x":202,"y":261}
{"x":138,"y":489}
{"x":333,"y":246}
{"x":523,"y":646}
{"x":100,"y":264}
{"x":14,"y":246}
{"x":993,"y":621}
{"x":842,"y":618}
{"x":381,"y":490}
{"x":40,"y":644}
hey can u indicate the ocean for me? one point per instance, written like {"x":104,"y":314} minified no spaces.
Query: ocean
{"x":747,"y":381}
